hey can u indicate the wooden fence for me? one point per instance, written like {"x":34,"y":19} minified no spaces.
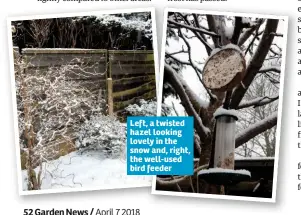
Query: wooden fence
{"x":122,"y":77}
{"x":133,"y":77}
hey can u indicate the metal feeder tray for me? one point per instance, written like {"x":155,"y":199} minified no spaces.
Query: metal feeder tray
{"x":219,"y":176}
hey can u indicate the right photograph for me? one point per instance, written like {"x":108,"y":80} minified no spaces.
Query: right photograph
{"x":227,"y":71}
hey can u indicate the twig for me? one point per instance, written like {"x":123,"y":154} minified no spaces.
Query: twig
{"x":192,"y":28}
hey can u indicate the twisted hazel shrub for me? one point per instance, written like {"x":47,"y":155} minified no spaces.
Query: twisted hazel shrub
{"x":147,"y":108}
{"x":103,"y":133}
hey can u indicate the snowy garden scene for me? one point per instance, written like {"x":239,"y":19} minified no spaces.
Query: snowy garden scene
{"x":76,"y":80}
{"x":226,"y":71}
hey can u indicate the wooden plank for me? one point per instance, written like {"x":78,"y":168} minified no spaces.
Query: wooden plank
{"x":130,"y":80}
{"x":71,"y":71}
{"x":134,"y":62}
{"x":148,"y":86}
{"x":62,"y":51}
{"x":132,"y":69}
{"x":131,"y":55}
{"x":131,"y":51}
{"x":123,"y":104}
{"x":43,"y":60}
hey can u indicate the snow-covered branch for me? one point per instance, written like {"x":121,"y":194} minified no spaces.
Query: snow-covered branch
{"x":196,"y":101}
{"x":255,"y":63}
{"x":202,"y":131}
{"x":103,"y":133}
{"x":248,"y":32}
{"x":257,"y":102}
{"x":270,"y":69}
{"x":177,"y":59}
{"x":256,"y":129}
{"x":55,"y":108}
{"x":200,"y":30}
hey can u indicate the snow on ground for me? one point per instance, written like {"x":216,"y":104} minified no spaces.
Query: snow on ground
{"x":89,"y":169}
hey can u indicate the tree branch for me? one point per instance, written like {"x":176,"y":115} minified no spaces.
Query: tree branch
{"x":212,"y":27}
{"x":256,"y":129}
{"x":270,"y":69}
{"x":237,"y":29}
{"x":201,"y":130}
{"x":245,"y":35}
{"x":177,"y":52}
{"x":176,"y":59}
{"x":257,"y":102}
{"x":255,"y":63}
{"x":192,"y":28}
{"x":197,"y":71}
{"x":201,"y":37}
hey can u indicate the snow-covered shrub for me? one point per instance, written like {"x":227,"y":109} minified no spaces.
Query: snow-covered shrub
{"x":146,"y":108}
{"x":103,"y":133}
{"x":137,"y":21}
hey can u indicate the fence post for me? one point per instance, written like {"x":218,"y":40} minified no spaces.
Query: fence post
{"x":110,"y":96}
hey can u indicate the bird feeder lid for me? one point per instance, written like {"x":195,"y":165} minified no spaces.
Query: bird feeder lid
{"x":225,"y":112}
{"x":224,"y":69}
{"x":219,"y":176}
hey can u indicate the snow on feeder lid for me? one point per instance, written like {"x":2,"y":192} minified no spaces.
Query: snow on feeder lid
{"x":220,"y":176}
{"x":224,"y":69}
{"x":224,"y":112}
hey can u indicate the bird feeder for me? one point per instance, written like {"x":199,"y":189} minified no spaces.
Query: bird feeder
{"x":223,"y":172}
{"x":224,"y":69}
{"x":225,"y":138}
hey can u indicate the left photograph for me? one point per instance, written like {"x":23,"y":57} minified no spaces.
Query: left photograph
{"x":75,"y":79}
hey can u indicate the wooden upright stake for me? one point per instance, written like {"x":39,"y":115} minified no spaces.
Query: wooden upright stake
{"x":110,"y":96}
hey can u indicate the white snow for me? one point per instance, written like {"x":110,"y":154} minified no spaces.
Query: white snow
{"x":222,"y":111}
{"x":220,"y":170}
{"x":204,"y":103}
{"x":214,"y":51}
{"x":143,"y":108}
{"x":229,"y":31}
{"x":90,"y":169}
{"x":133,"y":23}
{"x":246,"y":20}
{"x":178,"y":109}
{"x":103,"y":133}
